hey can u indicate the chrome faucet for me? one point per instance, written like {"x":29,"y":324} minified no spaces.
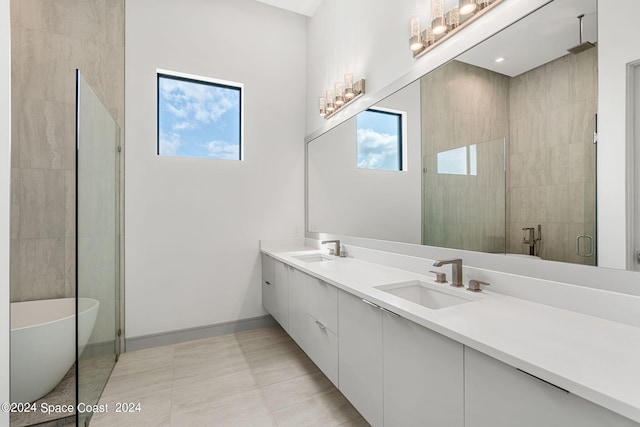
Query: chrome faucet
{"x":337,"y":242}
{"x":456,"y":270}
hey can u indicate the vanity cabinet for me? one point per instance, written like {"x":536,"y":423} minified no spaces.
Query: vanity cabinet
{"x":275,"y":290}
{"x":396,"y":372}
{"x":499,"y":395}
{"x":360,"y":355}
{"x":322,"y":327}
{"x":268,"y":284}
{"x":423,"y":376}
{"x":298,"y":302}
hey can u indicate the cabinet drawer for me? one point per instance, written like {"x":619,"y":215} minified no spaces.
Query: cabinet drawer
{"x":268,"y":269}
{"x":323,"y":303}
{"x":322,"y":348}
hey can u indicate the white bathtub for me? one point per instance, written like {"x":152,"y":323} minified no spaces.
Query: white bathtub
{"x":43,"y":345}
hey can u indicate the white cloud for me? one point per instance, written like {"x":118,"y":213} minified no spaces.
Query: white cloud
{"x":377,"y":150}
{"x":195,"y":104}
{"x":223,"y":150}
{"x":169,"y":144}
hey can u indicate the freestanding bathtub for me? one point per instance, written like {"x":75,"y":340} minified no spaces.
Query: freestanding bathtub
{"x":43,"y":345}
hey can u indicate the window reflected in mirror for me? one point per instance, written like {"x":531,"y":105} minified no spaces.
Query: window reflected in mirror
{"x":379,"y":139}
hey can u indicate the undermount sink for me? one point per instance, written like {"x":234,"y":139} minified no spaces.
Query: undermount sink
{"x":426,"y":295}
{"x":312,"y":258}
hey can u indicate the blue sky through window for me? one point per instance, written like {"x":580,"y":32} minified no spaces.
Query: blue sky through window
{"x":198,"y":119}
{"x":378,"y":137}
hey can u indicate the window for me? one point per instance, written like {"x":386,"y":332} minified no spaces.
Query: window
{"x":199,"y":117}
{"x":379,"y":139}
{"x":459,"y":161}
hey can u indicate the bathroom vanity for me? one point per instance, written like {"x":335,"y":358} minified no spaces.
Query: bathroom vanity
{"x":465,"y":359}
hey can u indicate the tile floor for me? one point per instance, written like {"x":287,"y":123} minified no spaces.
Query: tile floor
{"x":254,"y":378}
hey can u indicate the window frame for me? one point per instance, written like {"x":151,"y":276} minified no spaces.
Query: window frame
{"x":210,"y":81}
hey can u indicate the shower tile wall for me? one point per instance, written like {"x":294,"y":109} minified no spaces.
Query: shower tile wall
{"x":551,"y":162}
{"x":464,"y":105}
{"x":50,"y":39}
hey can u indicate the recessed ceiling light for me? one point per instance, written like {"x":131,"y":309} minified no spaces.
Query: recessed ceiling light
{"x":500,"y":59}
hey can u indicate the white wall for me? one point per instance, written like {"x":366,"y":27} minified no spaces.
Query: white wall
{"x":194,"y":225}
{"x":5,"y":200}
{"x":370,"y":38}
{"x":618,"y":35}
{"x":376,"y":204}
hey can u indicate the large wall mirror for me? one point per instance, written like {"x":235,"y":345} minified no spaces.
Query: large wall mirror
{"x":498,"y":147}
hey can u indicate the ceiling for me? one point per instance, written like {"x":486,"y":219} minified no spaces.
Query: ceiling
{"x":538,"y":38}
{"x":303,"y":7}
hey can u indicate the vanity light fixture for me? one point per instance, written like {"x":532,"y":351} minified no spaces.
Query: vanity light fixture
{"x":341,"y":94}
{"x":444,"y":24}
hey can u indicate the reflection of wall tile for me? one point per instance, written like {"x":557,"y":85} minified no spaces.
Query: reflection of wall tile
{"x":41,"y":203}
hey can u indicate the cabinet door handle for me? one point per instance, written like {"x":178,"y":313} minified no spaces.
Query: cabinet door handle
{"x":320,"y":325}
{"x":390,"y":312}
{"x":370,"y":303}
{"x":544,"y":381}
{"x":267,"y":282}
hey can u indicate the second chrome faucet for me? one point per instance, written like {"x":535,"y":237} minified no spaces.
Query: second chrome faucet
{"x":456,"y":270}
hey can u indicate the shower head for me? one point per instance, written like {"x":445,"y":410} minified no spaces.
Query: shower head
{"x":583,"y":45}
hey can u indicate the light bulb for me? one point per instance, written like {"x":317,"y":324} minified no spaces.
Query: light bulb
{"x":467,"y":6}
{"x":438,"y":23}
{"x":322,"y":103}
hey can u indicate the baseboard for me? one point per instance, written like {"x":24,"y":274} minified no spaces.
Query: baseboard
{"x":184,"y":335}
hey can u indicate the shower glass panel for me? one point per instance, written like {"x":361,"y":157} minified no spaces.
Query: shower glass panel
{"x":97,"y":240}
{"x":586,"y":239}
{"x":464,"y":197}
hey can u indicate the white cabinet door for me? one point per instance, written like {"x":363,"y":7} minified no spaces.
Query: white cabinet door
{"x":360,"y":355}
{"x":268,"y":284}
{"x":281,"y":305}
{"x":498,"y":395}
{"x":298,"y":290}
{"x":323,"y":303}
{"x":322,"y":348}
{"x":423,"y":376}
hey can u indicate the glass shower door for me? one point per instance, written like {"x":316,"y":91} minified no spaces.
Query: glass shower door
{"x":586,"y":239}
{"x":97,"y":246}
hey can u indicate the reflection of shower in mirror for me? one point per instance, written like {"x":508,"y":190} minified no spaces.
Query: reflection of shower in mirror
{"x":532,"y":241}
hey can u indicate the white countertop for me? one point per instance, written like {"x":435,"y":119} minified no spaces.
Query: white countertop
{"x":596,"y":359}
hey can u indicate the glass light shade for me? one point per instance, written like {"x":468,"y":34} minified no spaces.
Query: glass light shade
{"x":453,"y":18}
{"x":415,"y":26}
{"x":322,"y":103}
{"x":467,"y":6}
{"x":339,"y":94}
{"x":428,"y":36}
{"x":330,"y":101}
{"x":437,"y":9}
{"x":348,"y":86}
